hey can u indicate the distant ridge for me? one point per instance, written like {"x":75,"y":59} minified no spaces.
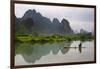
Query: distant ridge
{"x":33,"y":21}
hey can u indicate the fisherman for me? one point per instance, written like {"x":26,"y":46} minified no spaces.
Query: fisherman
{"x":80,"y":47}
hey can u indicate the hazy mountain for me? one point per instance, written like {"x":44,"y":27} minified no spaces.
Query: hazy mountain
{"x":33,"y":21}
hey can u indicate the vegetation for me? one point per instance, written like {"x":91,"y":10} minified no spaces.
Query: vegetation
{"x":53,"y":38}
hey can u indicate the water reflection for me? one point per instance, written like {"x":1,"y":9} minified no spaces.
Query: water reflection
{"x":32,"y":52}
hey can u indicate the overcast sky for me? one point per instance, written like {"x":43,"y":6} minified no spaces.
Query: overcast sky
{"x":78,"y":17}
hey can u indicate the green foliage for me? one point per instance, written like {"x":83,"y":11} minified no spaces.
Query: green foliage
{"x":53,"y":38}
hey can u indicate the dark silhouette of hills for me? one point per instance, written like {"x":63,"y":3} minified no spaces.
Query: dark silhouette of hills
{"x":33,"y":21}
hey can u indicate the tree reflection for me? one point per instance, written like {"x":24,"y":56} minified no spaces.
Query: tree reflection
{"x":32,"y":52}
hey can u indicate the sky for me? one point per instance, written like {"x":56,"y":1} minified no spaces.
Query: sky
{"x":79,"y":18}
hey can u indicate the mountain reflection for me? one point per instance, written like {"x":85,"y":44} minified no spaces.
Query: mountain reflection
{"x":32,"y":52}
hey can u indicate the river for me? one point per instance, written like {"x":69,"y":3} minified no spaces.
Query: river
{"x":46,"y":53}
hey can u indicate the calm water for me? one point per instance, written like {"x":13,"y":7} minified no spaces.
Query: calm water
{"x":46,"y":53}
